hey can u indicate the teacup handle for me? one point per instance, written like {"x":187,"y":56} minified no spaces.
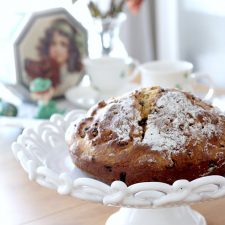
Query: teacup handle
{"x":135,"y":72}
{"x":204,"y":78}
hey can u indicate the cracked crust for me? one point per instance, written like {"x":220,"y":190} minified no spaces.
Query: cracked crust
{"x":116,"y":140}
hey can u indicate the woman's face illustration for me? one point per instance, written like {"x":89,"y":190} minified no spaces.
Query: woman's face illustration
{"x":59,"y":48}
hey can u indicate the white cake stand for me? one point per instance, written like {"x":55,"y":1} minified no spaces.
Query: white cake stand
{"x":43,"y":154}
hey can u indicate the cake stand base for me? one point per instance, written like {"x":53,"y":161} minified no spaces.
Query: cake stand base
{"x":165,"y":216}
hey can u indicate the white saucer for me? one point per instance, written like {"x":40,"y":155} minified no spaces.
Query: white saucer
{"x":83,"y":97}
{"x":86,"y":96}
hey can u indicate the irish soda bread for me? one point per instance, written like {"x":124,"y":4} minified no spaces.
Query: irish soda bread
{"x":152,"y":134}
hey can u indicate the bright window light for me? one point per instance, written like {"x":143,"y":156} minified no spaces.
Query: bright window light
{"x":214,"y":7}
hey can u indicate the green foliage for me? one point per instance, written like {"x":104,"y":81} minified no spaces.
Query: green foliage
{"x":94,"y":10}
{"x":113,"y":11}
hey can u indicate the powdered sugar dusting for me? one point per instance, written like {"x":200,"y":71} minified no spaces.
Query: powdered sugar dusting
{"x":124,"y":118}
{"x":176,"y":121}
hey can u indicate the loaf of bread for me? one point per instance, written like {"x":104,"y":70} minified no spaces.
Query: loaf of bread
{"x":151,"y":134}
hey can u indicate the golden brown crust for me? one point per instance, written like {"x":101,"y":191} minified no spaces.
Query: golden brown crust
{"x":150,"y":135}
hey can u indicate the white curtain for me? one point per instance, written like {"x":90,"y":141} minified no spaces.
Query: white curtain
{"x":137,"y":33}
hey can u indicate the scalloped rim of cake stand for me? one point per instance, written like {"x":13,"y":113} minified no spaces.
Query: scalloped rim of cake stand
{"x":35,"y":146}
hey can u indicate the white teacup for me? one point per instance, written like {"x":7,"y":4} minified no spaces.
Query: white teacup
{"x":173,"y":74}
{"x":110,"y":74}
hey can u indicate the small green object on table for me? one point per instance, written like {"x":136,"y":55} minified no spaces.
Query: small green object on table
{"x":46,"y":110}
{"x":42,"y":91}
{"x":7,"y":109}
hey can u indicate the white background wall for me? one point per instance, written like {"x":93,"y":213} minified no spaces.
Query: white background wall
{"x":202,"y":36}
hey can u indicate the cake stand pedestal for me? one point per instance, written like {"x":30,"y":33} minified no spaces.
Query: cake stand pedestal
{"x":43,"y":154}
{"x":163,"y":216}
